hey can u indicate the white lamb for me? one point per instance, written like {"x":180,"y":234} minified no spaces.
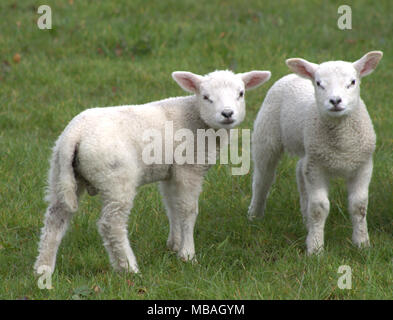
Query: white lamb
{"x":321,"y":118}
{"x":101,"y":150}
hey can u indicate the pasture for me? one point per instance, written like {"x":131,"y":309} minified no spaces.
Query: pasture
{"x":110,"y":53}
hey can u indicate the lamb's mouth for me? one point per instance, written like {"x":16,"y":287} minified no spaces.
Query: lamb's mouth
{"x":228,"y":121}
{"x":337,"y":109}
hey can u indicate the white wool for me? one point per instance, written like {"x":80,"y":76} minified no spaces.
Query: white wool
{"x":101,"y":150}
{"x":317,"y":115}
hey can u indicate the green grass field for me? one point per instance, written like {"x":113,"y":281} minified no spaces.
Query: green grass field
{"x":123,"y":52}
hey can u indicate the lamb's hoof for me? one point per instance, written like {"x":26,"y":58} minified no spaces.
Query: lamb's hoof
{"x":315,"y":251}
{"x":253,"y":215}
{"x":133,"y":270}
{"x":362,"y":244}
{"x":173,"y":246}
{"x":193,"y":261}
{"x":126,"y":268}
{"x":42,"y":269}
{"x":187,"y":256}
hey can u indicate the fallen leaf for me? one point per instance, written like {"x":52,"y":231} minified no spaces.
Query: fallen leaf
{"x":119,"y":52}
{"x":141,"y":290}
{"x":16,"y":58}
{"x":96,"y":289}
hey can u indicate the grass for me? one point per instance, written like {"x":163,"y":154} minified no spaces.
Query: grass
{"x":123,"y":52}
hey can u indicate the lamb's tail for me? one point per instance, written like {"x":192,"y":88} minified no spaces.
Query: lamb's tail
{"x":62,"y":184}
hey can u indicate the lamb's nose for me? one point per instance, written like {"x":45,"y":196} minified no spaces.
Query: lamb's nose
{"x":227,"y":113}
{"x":335,"y":101}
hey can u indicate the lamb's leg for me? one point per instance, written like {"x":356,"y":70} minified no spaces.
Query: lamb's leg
{"x":317,"y":208}
{"x":113,"y":229}
{"x":263,"y":177}
{"x":57,"y":220}
{"x":187,"y":223}
{"x":174,"y":237}
{"x":181,"y":195}
{"x":302,"y":189}
{"x":357,"y":203}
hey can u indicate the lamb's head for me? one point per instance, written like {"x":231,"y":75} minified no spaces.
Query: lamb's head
{"x":220,"y":94}
{"x":336,"y":83}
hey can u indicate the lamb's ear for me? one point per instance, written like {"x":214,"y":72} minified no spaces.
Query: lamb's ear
{"x":302,"y":67}
{"x":254,"y":79}
{"x":366,"y":64}
{"x":187,"y":80}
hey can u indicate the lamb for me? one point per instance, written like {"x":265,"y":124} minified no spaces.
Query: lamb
{"x":325,"y":123}
{"x":101,"y":151}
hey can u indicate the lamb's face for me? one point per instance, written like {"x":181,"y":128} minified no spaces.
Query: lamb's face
{"x":221,"y":100}
{"x":220,"y":94}
{"x":336,"y":83}
{"x":337,"y":88}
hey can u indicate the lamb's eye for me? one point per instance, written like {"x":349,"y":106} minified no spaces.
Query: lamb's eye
{"x":241,"y":94}
{"x":319,"y":84}
{"x":205,"y":97}
{"x":352,"y":84}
